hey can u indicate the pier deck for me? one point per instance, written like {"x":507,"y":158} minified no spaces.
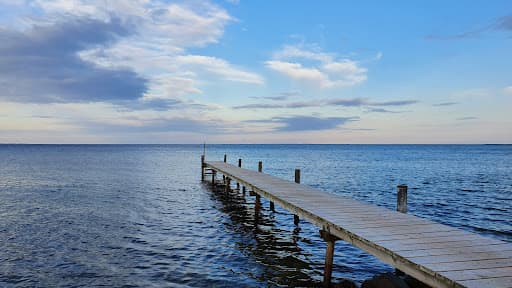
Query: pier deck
{"x":436,"y":254}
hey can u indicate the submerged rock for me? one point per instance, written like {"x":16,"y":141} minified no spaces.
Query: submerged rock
{"x":386,"y":280}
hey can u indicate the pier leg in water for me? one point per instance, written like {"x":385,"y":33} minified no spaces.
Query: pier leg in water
{"x":329,"y":255}
{"x":243,"y":190}
{"x":296,"y":219}
{"x":202,"y":167}
{"x":228,"y":185}
{"x":257,"y":207}
{"x":224,"y":176}
{"x":214,"y":173}
{"x":238,"y":184}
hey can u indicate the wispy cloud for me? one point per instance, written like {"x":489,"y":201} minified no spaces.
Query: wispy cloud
{"x":310,"y":65}
{"x":353,"y":102}
{"x":503,"y":23}
{"x":382,"y":110}
{"x":445,"y":104}
{"x":467,"y":118}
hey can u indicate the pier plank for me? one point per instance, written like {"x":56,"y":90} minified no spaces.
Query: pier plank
{"x":437,"y":254}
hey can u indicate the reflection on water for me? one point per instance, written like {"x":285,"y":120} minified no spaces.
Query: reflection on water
{"x":286,"y":264}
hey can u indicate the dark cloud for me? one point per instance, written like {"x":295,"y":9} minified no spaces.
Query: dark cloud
{"x":445,"y":104}
{"x":306,"y":123}
{"x":347,"y":102}
{"x":281,"y":97}
{"x":276,"y":98}
{"x":259,"y":106}
{"x":42,"y":65}
{"x":393,"y":103}
{"x":354,"y":102}
{"x":381,"y":110}
{"x":467,"y":118}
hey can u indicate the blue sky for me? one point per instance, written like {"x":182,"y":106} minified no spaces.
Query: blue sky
{"x":142,"y":71}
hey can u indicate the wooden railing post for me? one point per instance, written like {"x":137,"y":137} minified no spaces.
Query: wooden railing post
{"x":297,"y":180}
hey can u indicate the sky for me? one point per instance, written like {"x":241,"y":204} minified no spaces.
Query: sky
{"x":144,"y":71}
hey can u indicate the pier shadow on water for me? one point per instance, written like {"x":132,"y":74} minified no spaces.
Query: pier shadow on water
{"x":284,"y":263}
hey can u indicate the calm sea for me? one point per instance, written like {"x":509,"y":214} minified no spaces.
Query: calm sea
{"x":139,"y":216}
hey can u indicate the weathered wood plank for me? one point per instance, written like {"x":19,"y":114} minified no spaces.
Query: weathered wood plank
{"x":478,"y":273}
{"x":436,"y":254}
{"x":505,"y":282}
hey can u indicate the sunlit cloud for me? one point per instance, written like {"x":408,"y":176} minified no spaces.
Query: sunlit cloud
{"x":317,"y":68}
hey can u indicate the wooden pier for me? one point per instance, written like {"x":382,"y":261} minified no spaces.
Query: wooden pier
{"x":436,"y":254}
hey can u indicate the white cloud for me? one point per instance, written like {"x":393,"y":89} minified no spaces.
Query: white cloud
{"x":324,"y":70}
{"x":508,"y":90}
{"x":297,"y":72}
{"x":157,"y":49}
{"x":219,"y":67}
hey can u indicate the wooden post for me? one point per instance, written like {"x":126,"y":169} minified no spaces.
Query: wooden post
{"x":224,"y":176}
{"x":401,"y":206}
{"x":257,"y":203}
{"x":297,"y":180}
{"x":202,"y":167}
{"x":329,"y":255}
{"x":239,"y":165}
{"x":401,"y":199}
{"x":228,"y":185}
{"x":213,"y":177}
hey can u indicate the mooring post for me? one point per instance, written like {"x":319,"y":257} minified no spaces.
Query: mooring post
{"x":401,"y":206}
{"x":297,"y":180}
{"x":237,"y":183}
{"x":202,"y":167}
{"x":329,"y":255}
{"x":401,"y":199}
{"x":260,"y":166}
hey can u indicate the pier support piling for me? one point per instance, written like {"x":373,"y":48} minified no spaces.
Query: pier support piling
{"x":228,"y":185}
{"x":237,"y":183}
{"x":202,"y":167}
{"x":329,"y":255}
{"x":225,"y":161}
{"x":296,"y":219}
